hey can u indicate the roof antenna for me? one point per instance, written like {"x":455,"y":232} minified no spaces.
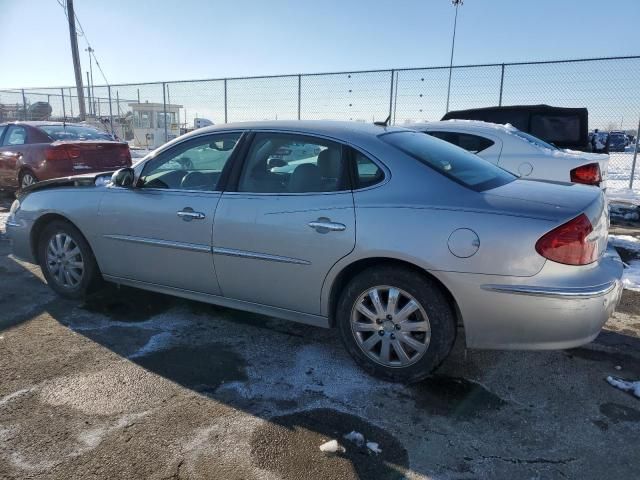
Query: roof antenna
{"x":385,"y":123}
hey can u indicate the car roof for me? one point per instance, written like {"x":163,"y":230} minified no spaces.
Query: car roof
{"x":330,"y":128}
{"x":40,"y":123}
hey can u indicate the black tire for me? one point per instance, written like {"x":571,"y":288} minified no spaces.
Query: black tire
{"x":90,"y":278}
{"x":431,"y":298}
{"x":24,"y":173}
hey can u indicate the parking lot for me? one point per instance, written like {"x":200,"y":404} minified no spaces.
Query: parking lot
{"x":138,"y":385}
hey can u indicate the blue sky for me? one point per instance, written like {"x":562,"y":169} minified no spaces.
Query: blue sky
{"x":139,"y":41}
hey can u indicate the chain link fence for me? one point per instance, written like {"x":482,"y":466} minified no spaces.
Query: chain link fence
{"x":149,"y":114}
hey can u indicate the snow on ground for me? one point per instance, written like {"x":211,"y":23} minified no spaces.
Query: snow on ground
{"x":625,"y":241}
{"x":3,"y":219}
{"x":624,"y":385}
{"x":631,"y":274}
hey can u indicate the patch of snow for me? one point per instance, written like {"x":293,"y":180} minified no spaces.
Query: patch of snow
{"x":631,"y":276}
{"x":625,"y":241}
{"x":332,"y":446}
{"x":6,"y":399}
{"x":355,"y":437}
{"x":374,"y":447}
{"x":624,"y":385}
{"x":623,"y":195}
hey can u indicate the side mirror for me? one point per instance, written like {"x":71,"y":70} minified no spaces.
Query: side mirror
{"x":123,"y":177}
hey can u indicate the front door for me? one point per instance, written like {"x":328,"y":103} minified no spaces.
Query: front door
{"x":160,"y":231}
{"x":11,"y":151}
{"x":290,"y":219}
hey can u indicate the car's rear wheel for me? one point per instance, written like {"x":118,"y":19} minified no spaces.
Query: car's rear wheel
{"x":26,"y":178}
{"x":396,"y":323}
{"x":66,"y":260}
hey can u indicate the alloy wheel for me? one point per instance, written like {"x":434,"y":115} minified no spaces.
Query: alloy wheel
{"x":64,"y":260}
{"x":27,"y":179}
{"x":390,"y":326}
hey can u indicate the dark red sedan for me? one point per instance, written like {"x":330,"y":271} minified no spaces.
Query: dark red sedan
{"x":34,"y":151}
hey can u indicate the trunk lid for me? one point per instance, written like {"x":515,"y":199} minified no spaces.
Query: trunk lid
{"x":96,"y":155}
{"x":556,"y":201}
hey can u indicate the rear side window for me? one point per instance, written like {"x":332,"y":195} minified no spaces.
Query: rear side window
{"x":16,"y":135}
{"x":74,"y":132}
{"x":460,"y":166}
{"x":367,"y":172}
{"x":471,"y":143}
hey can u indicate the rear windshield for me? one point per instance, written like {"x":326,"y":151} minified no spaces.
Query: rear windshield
{"x":535,"y":140}
{"x":74,"y":132}
{"x":451,"y":161}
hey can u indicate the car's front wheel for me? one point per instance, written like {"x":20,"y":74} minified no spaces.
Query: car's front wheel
{"x":396,"y":323}
{"x":66,"y":260}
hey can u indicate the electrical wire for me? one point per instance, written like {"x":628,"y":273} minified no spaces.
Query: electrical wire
{"x":81,"y":33}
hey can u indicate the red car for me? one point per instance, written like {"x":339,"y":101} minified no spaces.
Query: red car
{"x":34,"y":151}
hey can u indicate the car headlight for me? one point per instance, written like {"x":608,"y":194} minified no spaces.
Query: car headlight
{"x":15,"y":206}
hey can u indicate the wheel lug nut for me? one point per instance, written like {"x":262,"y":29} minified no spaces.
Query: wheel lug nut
{"x":393,"y":337}
{"x":381,"y":333}
{"x":397,"y":326}
{"x":389,"y":317}
{"x":378,"y":321}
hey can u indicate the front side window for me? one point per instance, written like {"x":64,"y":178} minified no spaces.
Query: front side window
{"x":192,"y":165}
{"x":2,"y":129}
{"x":462,"y":167}
{"x":471,"y":143}
{"x":15,"y":136}
{"x":286,"y":163}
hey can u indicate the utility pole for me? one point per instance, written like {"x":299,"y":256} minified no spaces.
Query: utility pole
{"x":91,"y":86}
{"x":76,"y":57}
{"x":456,"y":3}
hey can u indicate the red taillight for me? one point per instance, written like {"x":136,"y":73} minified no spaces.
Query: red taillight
{"x":568,"y":243}
{"x":62,"y":152}
{"x":588,"y":174}
{"x":125,"y":155}
{"x":56,"y":153}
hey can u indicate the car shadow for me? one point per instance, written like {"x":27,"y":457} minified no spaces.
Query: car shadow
{"x":295,"y":377}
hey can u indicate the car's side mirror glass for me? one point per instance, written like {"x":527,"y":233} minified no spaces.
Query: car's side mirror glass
{"x":123,"y":178}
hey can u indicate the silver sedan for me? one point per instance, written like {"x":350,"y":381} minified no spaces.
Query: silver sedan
{"x":397,"y":239}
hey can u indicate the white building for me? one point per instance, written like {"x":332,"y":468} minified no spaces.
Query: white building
{"x":149,"y":120}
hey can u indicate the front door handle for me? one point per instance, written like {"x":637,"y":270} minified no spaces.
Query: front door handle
{"x":187,"y":214}
{"x":324,"y":225}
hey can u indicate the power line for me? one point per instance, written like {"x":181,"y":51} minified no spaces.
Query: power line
{"x":82,"y":33}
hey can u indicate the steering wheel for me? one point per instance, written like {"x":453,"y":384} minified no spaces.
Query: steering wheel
{"x":185,"y":163}
{"x":195,"y":181}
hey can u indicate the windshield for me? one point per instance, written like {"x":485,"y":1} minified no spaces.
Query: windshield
{"x":531,"y":139}
{"x":451,"y":161}
{"x":74,"y":132}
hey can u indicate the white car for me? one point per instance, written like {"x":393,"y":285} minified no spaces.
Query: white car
{"x":519,"y":152}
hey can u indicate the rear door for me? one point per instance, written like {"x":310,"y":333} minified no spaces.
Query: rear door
{"x":14,"y":145}
{"x":287,"y":220}
{"x":160,"y":231}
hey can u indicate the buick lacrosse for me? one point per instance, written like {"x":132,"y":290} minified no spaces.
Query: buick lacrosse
{"x":397,"y":239}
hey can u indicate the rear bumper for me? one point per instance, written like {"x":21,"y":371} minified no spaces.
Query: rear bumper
{"x":560,"y":307}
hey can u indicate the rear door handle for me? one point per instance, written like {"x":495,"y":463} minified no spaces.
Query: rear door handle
{"x":187,"y":214}
{"x":324,"y":225}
